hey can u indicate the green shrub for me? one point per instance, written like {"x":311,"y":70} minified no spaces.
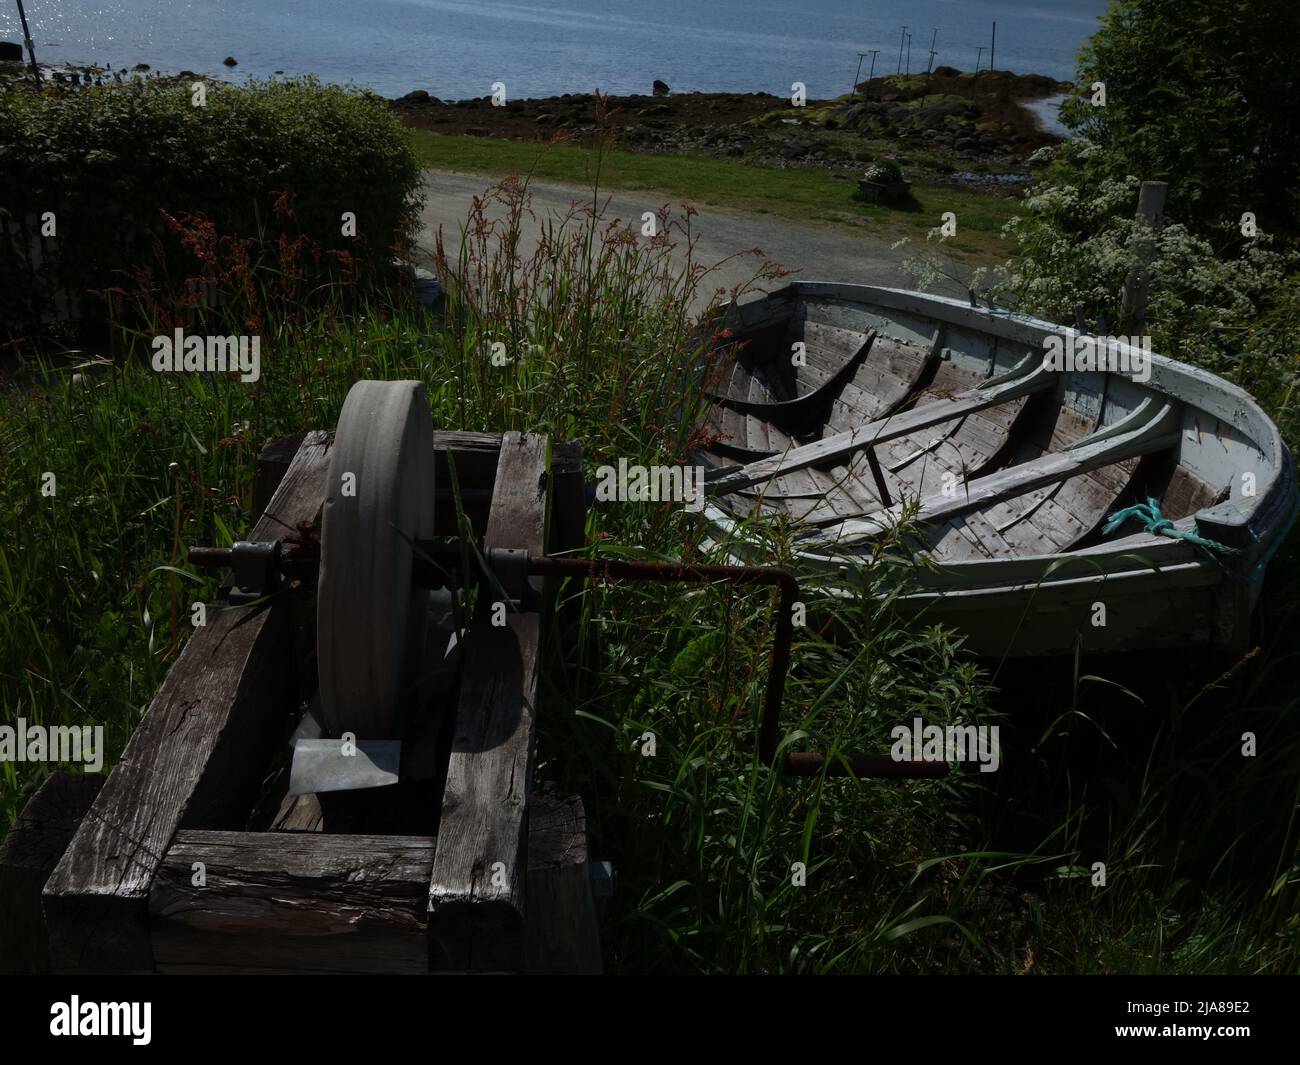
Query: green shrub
{"x":262,"y":164}
{"x":884,"y":172}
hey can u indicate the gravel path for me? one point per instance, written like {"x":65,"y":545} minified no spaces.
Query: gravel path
{"x":817,"y":253}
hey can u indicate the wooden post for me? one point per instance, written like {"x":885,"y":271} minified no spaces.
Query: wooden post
{"x":1150,"y":216}
{"x":272,"y":462}
{"x":476,"y":893}
{"x":27,"y":36}
{"x":562,"y":934}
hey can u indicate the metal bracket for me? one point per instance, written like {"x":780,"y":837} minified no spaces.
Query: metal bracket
{"x":509,"y":567}
{"x":254,"y":568}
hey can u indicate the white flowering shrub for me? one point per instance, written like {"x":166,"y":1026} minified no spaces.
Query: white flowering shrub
{"x":1228,"y":304}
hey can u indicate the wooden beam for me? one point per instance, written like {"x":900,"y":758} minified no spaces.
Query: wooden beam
{"x":271,"y":466}
{"x":310,"y":902}
{"x":1026,"y":379}
{"x":476,"y":895}
{"x":291,"y":902}
{"x":788,"y":407}
{"x":562,"y":932}
{"x":197,"y":758}
{"x":31,"y":849}
{"x":1152,"y":427}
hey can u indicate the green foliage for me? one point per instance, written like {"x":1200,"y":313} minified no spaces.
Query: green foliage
{"x":271,"y":160}
{"x":1201,"y":92}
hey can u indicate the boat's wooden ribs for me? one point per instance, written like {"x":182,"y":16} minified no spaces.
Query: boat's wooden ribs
{"x":1023,"y":382}
{"x":1152,"y":427}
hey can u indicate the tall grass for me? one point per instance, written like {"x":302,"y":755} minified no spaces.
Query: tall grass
{"x":938,"y":876}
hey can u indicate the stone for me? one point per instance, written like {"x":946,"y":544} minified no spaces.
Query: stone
{"x":230,"y":61}
{"x":11,"y":51}
{"x":660,"y":88}
{"x":418,"y":96}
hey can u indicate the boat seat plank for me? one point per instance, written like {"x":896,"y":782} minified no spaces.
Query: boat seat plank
{"x":1149,"y":429}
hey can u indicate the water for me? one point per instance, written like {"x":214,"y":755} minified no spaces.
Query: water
{"x":458,"y":48}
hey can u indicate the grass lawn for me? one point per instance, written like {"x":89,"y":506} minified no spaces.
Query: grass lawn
{"x":808,"y":197}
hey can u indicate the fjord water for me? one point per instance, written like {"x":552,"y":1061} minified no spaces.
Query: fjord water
{"x":458,"y":48}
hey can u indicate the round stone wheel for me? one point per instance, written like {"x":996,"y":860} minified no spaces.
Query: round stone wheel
{"x":378,"y":501}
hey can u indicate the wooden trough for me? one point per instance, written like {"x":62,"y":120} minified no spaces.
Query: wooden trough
{"x":193,"y":857}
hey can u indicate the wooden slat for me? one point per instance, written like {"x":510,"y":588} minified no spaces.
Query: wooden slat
{"x":476,"y":894}
{"x":292,"y":902}
{"x":1153,"y":428}
{"x":197,"y":757}
{"x":880,"y":431}
{"x":317,"y":903}
{"x":776,"y":405}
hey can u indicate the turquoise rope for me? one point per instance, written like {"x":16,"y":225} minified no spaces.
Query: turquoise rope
{"x":1149,"y":515}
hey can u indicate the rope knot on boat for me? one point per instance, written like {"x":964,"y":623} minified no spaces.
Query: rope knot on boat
{"x":1149,"y":515}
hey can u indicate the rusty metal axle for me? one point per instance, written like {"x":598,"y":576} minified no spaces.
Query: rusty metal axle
{"x":436,"y":562}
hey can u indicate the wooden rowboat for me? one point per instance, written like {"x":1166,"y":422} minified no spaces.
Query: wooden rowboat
{"x":1125,"y":503}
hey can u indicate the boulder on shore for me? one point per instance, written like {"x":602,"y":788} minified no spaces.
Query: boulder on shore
{"x":230,"y":61}
{"x":660,"y":88}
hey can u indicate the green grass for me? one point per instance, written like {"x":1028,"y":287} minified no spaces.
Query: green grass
{"x":966,"y":874}
{"x":805,"y":197}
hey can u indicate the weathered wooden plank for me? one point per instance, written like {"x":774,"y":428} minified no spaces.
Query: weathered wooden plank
{"x":476,"y":896}
{"x":1150,"y":429}
{"x":271,"y":466}
{"x":312,"y":902}
{"x":880,"y":431}
{"x":291,"y":902}
{"x":197,"y":757}
{"x":31,"y":849}
{"x":562,"y":930}
{"x":763,"y":397}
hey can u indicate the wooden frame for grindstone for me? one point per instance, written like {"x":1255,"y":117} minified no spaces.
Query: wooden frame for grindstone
{"x":502,"y":887}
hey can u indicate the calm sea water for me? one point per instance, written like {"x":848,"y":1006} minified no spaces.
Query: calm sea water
{"x":458,"y":48}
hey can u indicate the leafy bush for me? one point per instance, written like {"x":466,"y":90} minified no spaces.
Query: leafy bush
{"x":1228,"y":304}
{"x":113,"y":163}
{"x":1201,"y":92}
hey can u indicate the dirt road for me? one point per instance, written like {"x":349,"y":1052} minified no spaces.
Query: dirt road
{"x":817,"y":253}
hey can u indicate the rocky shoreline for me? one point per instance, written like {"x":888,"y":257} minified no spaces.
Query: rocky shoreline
{"x":946,"y":126}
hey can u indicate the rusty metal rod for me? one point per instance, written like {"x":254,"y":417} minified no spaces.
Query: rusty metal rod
{"x":214,"y":557}
{"x":435,"y":561}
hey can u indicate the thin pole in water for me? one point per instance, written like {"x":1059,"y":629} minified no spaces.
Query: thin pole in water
{"x":27,"y":36}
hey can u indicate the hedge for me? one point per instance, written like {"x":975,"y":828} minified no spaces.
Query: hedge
{"x":125,"y":168}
